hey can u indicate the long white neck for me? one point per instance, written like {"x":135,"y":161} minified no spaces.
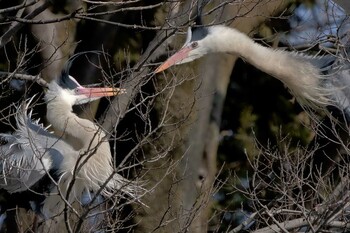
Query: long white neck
{"x":60,"y":115}
{"x":300,"y":76}
{"x":95,"y":152}
{"x":95,"y":148}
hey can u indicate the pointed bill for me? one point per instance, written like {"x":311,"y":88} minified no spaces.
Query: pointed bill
{"x":99,"y":91}
{"x":174,"y":59}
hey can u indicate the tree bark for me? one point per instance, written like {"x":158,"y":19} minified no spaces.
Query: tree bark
{"x":181,"y":201}
{"x":344,"y":4}
{"x":56,"y":40}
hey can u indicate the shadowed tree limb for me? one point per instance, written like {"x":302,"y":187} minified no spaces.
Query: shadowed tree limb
{"x":4,"y":39}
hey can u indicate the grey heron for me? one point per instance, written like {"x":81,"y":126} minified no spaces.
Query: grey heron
{"x":93,"y":171}
{"x":316,"y":82}
{"x":31,"y":153}
{"x":95,"y":161}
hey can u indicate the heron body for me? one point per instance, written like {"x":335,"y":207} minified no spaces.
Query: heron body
{"x":93,"y":170}
{"x":307,"y":77}
{"x":28,"y":154}
{"x":32,"y":160}
{"x":95,"y":162}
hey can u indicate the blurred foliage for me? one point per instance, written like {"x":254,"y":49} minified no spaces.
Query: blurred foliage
{"x":245,"y":133}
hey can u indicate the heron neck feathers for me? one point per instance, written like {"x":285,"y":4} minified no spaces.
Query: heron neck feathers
{"x":299,"y":75}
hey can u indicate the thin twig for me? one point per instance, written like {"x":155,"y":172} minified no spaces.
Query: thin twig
{"x":4,"y":39}
{"x":36,"y":78}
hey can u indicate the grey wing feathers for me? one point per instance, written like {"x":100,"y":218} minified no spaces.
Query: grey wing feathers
{"x":27,"y":154}
{"x":21,"y":166}
{"x":336,"y":70}
{"x":323,"y":63}
{"x":339,"y":83}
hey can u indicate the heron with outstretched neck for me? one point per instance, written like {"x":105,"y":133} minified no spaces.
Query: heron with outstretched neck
{"x":316,"y":82}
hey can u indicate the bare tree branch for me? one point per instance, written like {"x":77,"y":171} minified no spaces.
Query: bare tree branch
{"x":36,"y":79}
{"x":4,"y":39}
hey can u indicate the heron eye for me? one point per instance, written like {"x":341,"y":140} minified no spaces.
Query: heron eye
{"x":3,"y":141}
{"x":194,"y":45}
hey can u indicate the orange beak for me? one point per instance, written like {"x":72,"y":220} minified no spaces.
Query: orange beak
{"x":100,"y":91}
{"x":174,"y":59}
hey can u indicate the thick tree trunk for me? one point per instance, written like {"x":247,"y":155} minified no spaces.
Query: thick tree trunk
{"x":56,"y":40}
{"x":215,"y":72}
{"x":181,"y":200}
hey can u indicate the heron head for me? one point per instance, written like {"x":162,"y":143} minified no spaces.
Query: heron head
{"x":196,"y":46}
{"x":72,"y":92}
{"x":67,"y":89}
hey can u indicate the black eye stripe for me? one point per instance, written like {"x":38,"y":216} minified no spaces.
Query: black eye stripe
{"x":66,"y":82}
{"x":199,"y":33}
